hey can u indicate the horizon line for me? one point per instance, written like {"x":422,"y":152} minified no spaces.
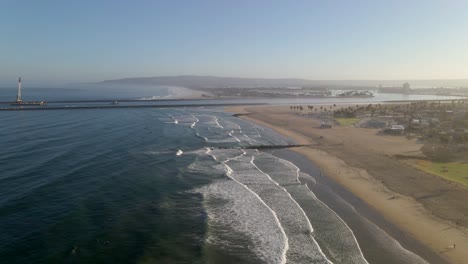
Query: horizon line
{"x":283,"y":78}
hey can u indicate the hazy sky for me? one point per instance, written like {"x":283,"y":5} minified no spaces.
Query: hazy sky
{"x":73,"y":41}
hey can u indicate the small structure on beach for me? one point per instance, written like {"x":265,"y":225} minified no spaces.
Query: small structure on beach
{"x":395,"y":130}
{"x":325,"y":125}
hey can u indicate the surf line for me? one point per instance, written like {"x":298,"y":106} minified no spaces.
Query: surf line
{"x":236,"y":138}
{"x":198,"y":135}
{"x":208,"y":150}
{"x":239,"y":127}
{"x":242,"y":133}
{"x":346,"y":225}
{"x":300,"y":208}
{"x":192,"y":126}
{"x":320,"y":201}
{"x":195,"y":122}
{"x":229,"y":172}
{"x":175,"y":121}
{"x":297,"y":170}
{"x":217,"y":122}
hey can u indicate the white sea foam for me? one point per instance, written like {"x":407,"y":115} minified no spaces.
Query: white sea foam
{"x":332,"y":230}
{"x":285,"y":239}
{"x":178,"y":152}
{"x":346,"y":248}
{"x":248,"y":213}
{"x":206,"y":166}
{"x":384,"y":240}
{"x":205,"y":138}
{"x":243,"y":213}
{"x":216,"y":119}
{"x":241,"y":166}
{"x":268,"y":203}
{"x":258,"y":132}
{"x":309,"y":225}
{"x":242,"y":135}
{"x":236,"y":138}
{"x":154,"y":97}
{"x":194,"y":122}
{"x":357,"y":259}
{"x":214,"y":129}
{"x":161,"y":152}
{"x":279,"y":169}
{"x":300,"y":245}
{"x":208,"y":150}
{"x":174,"y":120}
{"x":225,"y":154}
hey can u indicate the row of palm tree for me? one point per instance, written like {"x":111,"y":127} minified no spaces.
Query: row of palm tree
{"x":333,"y":108}
{"x":311,"y":107}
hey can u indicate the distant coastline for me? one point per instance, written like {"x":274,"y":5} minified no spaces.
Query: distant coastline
{"x":215,"y":81}
{"x":231,"y":87}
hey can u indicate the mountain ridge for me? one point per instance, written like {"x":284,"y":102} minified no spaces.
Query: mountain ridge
{"x":208,"y":81}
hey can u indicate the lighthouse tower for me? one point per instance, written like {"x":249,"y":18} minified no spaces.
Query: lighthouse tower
{"x":18,"y":97}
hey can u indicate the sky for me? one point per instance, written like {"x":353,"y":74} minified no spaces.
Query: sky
{"x":65,"y":41}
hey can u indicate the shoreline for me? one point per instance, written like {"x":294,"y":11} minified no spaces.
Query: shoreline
{"x":406,"y":213}
{"x":380,"y":240}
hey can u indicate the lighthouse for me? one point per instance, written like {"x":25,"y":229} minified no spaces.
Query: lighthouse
{"x":19,"y":100}
{"x":18,"y":96}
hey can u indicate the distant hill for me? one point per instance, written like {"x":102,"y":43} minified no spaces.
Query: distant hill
{"x":212,"y":81}
{"x":195,"y":81}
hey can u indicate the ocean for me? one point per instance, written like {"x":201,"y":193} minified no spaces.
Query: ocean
{"x":180,"y":185}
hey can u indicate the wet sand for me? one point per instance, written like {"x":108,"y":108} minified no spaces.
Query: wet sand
{"x":430,"y":211}
{"x":380,"y":241}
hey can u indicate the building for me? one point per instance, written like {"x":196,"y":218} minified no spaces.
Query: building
{"x":325,"y":125}
{"x":395,"y":130}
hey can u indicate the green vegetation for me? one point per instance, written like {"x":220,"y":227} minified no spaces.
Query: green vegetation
{"x":453,"y":171}
{"x":347,"y":121}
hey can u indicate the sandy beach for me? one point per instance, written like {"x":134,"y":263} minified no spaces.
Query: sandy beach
{"x":430,"y":209}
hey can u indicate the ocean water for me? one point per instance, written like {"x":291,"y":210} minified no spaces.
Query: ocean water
{"x":158,"y":186}
{"x":181,"y":185}
{"x":80,"y":92}
{"x":85,"y":92}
